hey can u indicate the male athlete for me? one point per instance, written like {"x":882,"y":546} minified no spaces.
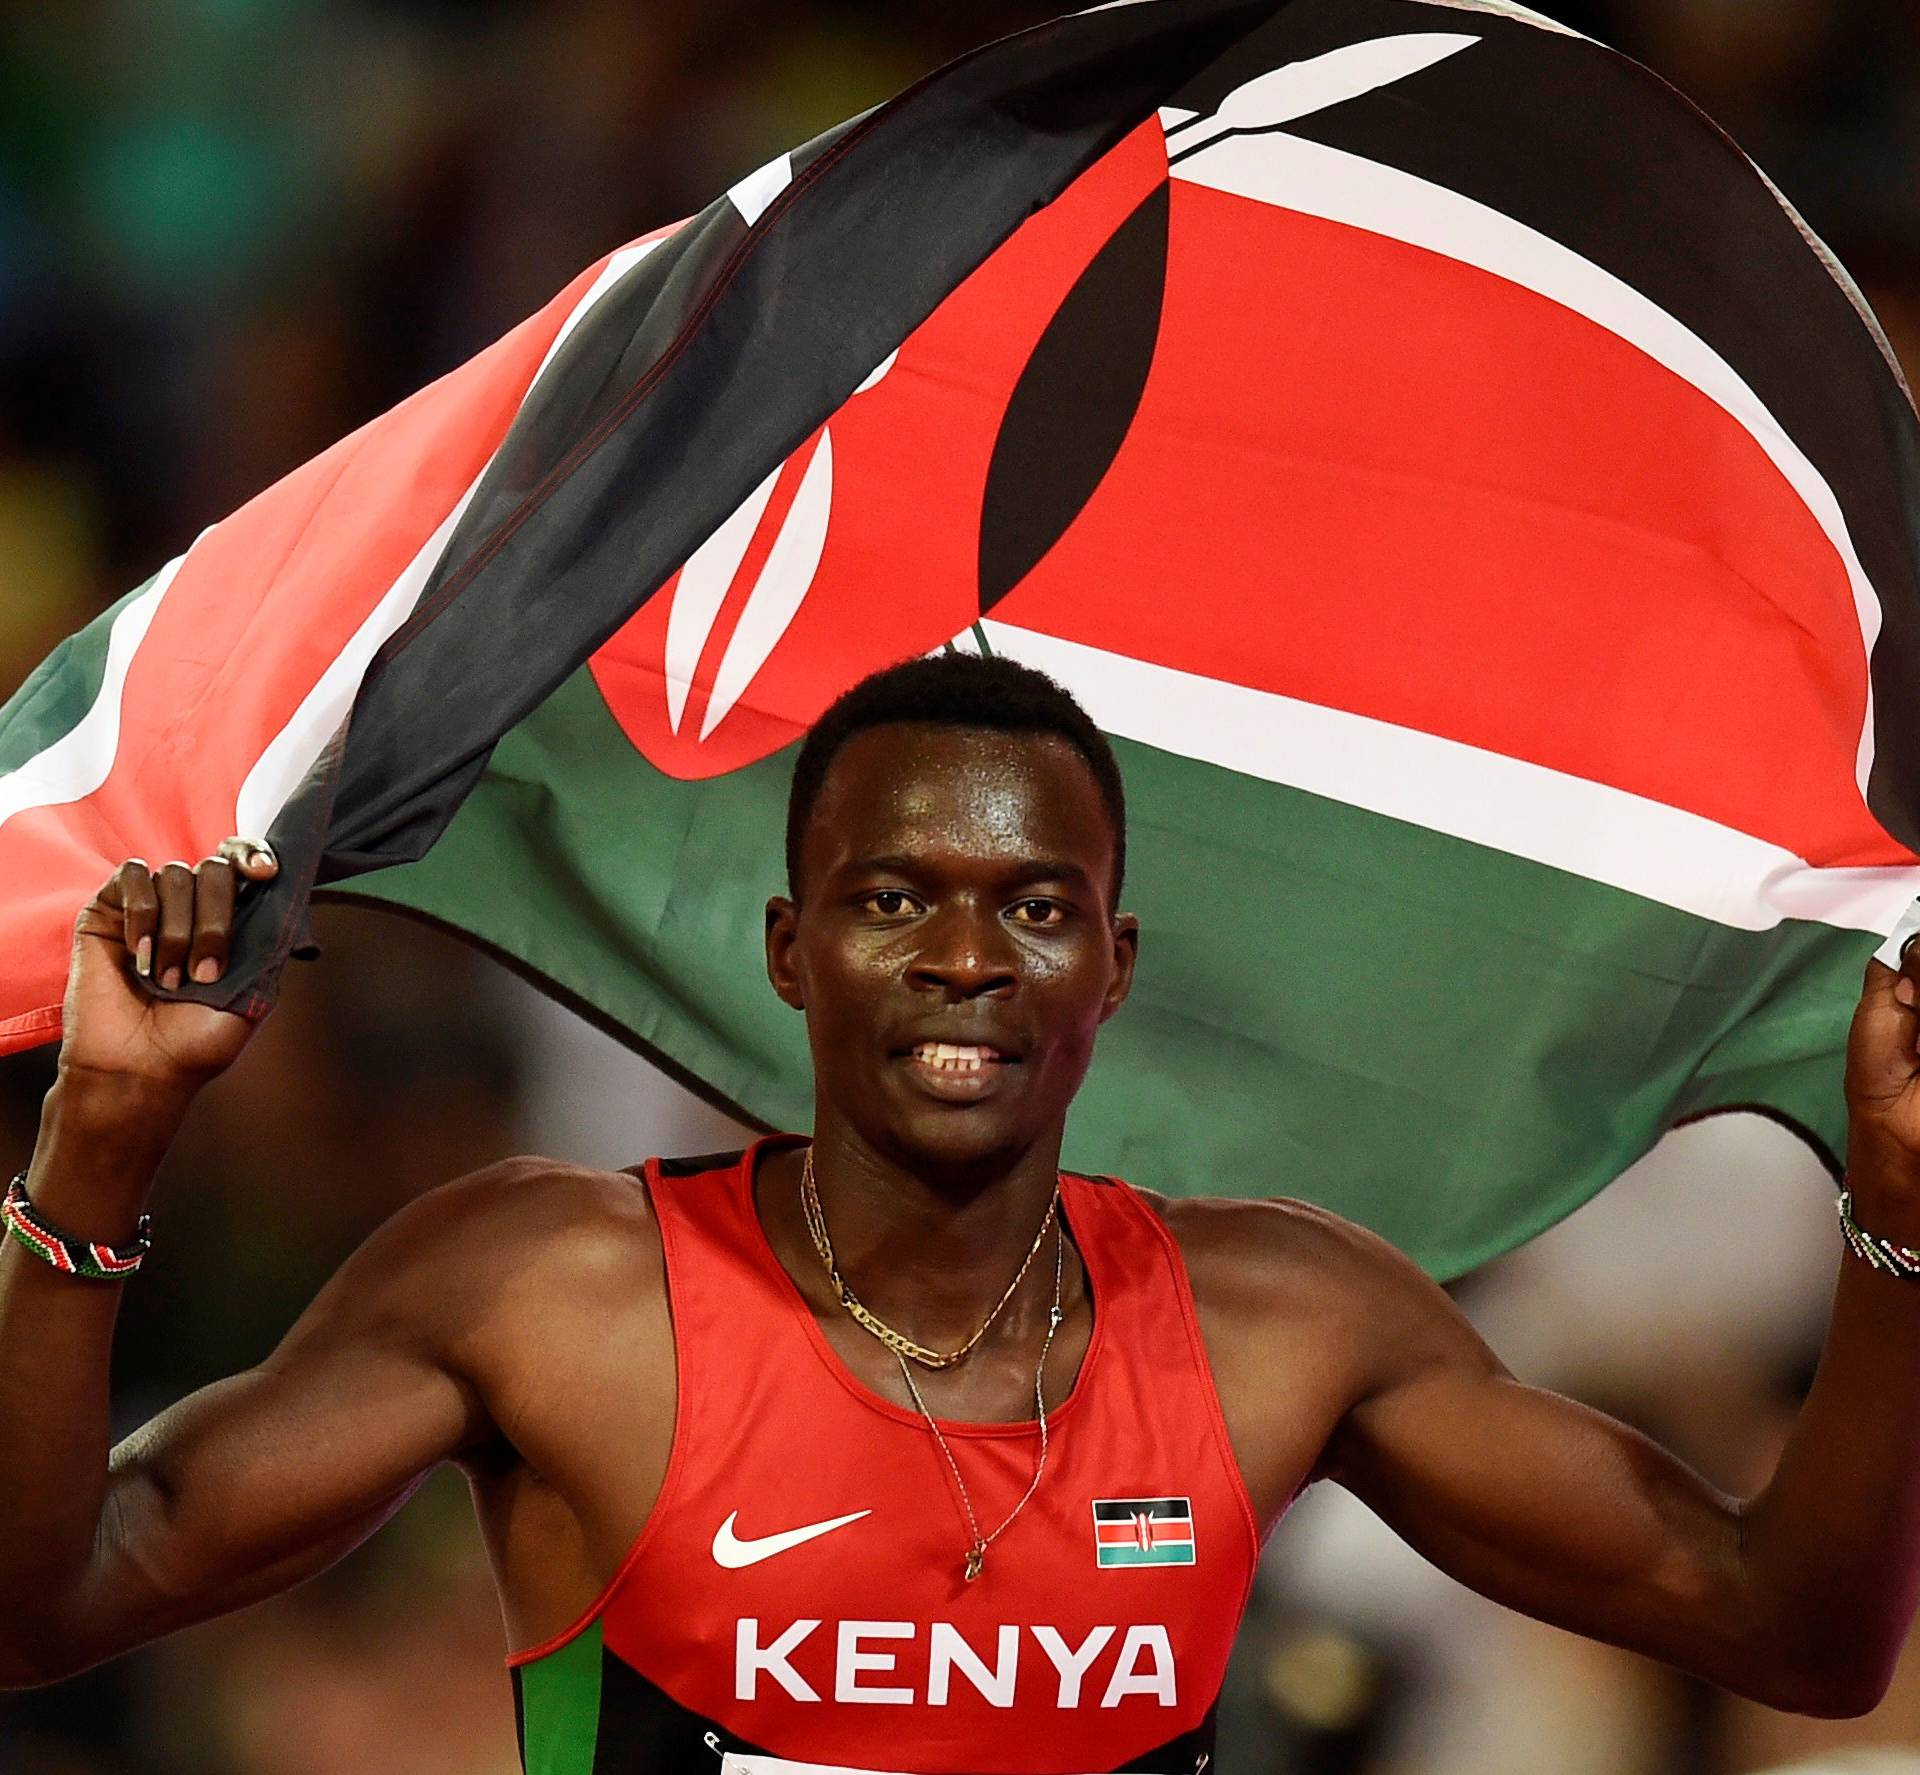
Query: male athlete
{"x":897,"y":1450}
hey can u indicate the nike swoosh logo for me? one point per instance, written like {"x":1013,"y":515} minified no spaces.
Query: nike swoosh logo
{"x":733,"y":1553}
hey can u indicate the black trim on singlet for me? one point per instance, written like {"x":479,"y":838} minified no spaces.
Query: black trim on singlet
{"x":695,"y":1164}
{"x":644,"y":1731}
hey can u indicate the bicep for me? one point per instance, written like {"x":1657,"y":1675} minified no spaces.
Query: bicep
{"x":257,"y":1482}
{"x":261,"y":1480}
{"x":1539,"y":1502}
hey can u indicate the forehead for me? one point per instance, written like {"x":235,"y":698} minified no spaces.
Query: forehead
{"x":958,"y":793}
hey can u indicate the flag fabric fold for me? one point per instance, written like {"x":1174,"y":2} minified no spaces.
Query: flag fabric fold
{"x":1484,"y":517}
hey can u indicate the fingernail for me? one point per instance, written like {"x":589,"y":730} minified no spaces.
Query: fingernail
{"x":1903,"y":990}
{"x":171,"y":979}
{"x":143,"y":956}
{"x":206,"y":971}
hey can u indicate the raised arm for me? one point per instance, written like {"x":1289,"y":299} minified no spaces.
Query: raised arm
{"x":1801,"y":1597}
{"x":258,"y":1481}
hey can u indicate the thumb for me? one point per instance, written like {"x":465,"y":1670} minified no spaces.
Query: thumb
{"x":252,"y":858}
{"x":1882,"y":1057}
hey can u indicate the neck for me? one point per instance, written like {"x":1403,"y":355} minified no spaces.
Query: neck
{"x":930,"y":1256}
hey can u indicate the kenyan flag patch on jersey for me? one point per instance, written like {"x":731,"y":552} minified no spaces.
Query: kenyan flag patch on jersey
{"x":1143,"y":1531}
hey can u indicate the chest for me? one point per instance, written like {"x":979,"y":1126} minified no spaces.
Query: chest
{"x":814,"y":1536}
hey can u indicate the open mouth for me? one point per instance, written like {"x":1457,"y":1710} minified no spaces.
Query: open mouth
{"x":956,"y":1072}
{"x":958,"y":1057}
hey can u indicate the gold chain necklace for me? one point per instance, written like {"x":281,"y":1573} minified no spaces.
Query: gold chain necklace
{"x":898,"y":1342}
{"x":977,"y":1548}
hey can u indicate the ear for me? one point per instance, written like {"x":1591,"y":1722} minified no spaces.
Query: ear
{"x":782,"y":932}
{"x":1126,"y":953}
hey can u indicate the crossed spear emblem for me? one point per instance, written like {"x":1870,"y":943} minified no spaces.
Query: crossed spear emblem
{"x":1261,"y":106}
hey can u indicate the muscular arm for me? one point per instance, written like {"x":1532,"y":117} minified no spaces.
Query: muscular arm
{"x":1323,"y":1338}
{"x":433,"y":1342}
{"x":1800,"y":1597}
{"x":251,"y":1484}
{"x":1573,"y":1518}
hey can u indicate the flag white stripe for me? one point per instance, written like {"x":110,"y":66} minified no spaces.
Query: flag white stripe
{"x":77,"y":763}
{"x":1524,"y":15}
{"x":81,"y":759}
{"x":290,"y":754}
{"x":1340,"y":187}
{"x":1889,"y":952}
{"x":283,"y":765}
{"x":1819,"y":248}
{"x":611,"y":274}
{"x":1590,"y":829}
{"x":754,"y":195}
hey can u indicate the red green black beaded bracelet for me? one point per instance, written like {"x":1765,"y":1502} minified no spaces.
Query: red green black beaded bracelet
{"x":72,"y":1257}
{"x":1882,"y":1254}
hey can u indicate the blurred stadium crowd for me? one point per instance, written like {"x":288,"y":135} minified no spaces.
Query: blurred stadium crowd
{"x":230,"y":231}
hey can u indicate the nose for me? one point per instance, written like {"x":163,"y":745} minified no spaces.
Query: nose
{"x":966,"y":955}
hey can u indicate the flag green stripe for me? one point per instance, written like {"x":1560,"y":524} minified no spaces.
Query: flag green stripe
{"x":560,"y":1707}
{"x":60,"y":691}
{"x":1452,"y":1045}
{"x":1112,"y":1556}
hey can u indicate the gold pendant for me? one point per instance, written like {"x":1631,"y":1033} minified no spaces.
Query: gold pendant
{"x":976,"y":1558}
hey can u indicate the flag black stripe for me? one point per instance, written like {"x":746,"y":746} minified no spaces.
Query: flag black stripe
{"x":1126,"y":1509}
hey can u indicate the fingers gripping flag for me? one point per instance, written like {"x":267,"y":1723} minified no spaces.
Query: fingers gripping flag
{"x":1482,"y":515}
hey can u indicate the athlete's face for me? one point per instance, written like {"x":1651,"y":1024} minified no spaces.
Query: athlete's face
{"x":954,"y":948}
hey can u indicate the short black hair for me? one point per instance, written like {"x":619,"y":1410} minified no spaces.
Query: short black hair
{"x":954,"y":690}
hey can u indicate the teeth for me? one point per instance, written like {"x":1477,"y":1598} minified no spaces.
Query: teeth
{"x":949,"y":1057}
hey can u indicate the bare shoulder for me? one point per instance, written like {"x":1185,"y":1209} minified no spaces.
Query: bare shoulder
{"x":1279,"y":1253}
{"x":1304,"y":1315}
{"x":533,"y":1210}
{"x":527,"y":1239}
{"x":1260,"y":1268}
{"x":1298,"y":1311}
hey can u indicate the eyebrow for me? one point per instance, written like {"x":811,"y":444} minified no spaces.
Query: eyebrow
{"x":1026,"y":869}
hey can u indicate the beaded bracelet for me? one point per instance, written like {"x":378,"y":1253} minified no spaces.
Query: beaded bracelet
{"x":72,"y":1257}
{"x":1882,"y":1254}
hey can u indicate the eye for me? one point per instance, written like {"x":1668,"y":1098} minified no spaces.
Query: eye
{"x":1037,"y":913}
{"x":889,"y":903}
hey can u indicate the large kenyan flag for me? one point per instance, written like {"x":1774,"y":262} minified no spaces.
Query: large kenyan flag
{"x":1486,"y":519}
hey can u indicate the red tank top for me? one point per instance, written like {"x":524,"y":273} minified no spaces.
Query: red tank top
{"x":796,"y":1599}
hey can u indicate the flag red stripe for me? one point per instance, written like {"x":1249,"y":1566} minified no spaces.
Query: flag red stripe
{"x":1122,"y":1534}
{"x":263,"y":604}
{"x":1461,"y":508}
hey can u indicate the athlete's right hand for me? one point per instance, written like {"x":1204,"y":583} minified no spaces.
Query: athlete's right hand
{"x":171,"y":925}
